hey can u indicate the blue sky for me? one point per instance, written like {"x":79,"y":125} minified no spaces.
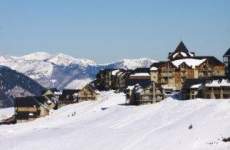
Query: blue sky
{"x":108,"y":30}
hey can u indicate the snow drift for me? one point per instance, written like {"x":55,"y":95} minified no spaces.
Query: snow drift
{"x":108,"y":124}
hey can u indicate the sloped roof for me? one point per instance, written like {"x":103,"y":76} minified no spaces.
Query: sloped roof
{"x":29,"y":101}
{"x":190,"y":82}
{"x":191,"y":62}
{"x":227,"y":53}
{"x":158,"y":64}
{"x":181,"y":47}
{"x":211,"y":59}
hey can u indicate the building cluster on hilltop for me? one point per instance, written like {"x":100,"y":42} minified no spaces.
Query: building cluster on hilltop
{"x":183,"y":71}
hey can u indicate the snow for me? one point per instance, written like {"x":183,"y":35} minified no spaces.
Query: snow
{"x":192,"y":62}
{"x":166,"y":86}
{"x":114,"y":72}
{"x":6,"y":113}
{"x":191,"y":54}
{"x":78,"y":84}
{"x":63,"y":69}
{"x":107,"y":125}
{"x":36,"y":56}
{"x":133,"y":63}
{"x":183,"y":54}
{"x":196,"y":86}
{"x":217,"y":83}
{"x":131,"y":87}
{"x":153,"y":69}
{"x":140,"y":74}
{"x":65,"y":60}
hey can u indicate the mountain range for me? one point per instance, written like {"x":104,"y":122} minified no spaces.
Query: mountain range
{"x":63,"y":71}
{"x":14,"y":84}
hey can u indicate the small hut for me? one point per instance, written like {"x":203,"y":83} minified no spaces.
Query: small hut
{"x":86,"y":93}
{"x":31,"y":107}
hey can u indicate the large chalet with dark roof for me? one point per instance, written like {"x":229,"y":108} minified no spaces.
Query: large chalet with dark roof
{"x":183,"y":65}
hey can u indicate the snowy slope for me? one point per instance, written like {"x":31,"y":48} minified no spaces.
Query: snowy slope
{"x":106,"y":124}
{"x":60,"y":70}
{"x":6,"y":113}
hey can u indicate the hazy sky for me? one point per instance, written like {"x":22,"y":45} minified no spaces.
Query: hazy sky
{"x":107,"y":30}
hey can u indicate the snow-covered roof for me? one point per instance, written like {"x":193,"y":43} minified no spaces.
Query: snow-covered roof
{"x":196,"y":86}
{"x":57,"y":93}
{"x":153,"y":69}
{"x":130,"y":87}
{"x":182,"y":53}
{"x":217,"y":83}
{"x":114,"y":72}
{"x":191,"y":54}
{"x":166,"y":86}
{"x":192,"y":62}
{"x":140,"y":74}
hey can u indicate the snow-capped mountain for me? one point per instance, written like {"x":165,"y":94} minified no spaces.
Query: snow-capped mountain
{"x":36,"y":56}
{"x":133,"y":63}
{"x":61,"y":70}
{"x":65,"y":60}
{"x":14,"y":84}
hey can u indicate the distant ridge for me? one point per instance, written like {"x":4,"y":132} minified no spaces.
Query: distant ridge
{"x":14,"y":84}
{"x":61,"y":70}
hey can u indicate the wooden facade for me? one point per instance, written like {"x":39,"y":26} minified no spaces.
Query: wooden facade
{"x":119,"y":79}
{"x":70,"y":96}
{"x":104,"y":79}
{"x":151,"y":93}
{"x":29,"y":108}
{"x":208,"y":88}
{"x":87,"y":93}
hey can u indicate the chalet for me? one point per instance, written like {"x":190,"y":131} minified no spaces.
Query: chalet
{"x":191,"y":88}
{"x":68,"y":97}
{"x":139,"y":76}
{"x":226,"y":59}
{"x":86,"y":93}
{"x":147,"y":93}
{"x":31,"y":107}
{"x":119,"y":79}
{"x":172,"y":74}
{"x":208,"y":88}
{"x":104,"y":79}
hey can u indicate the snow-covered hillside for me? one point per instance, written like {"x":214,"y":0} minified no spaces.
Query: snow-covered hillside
{"x":108,"y":124}
{"x":61,"y":70}
{"x":6,"y":112}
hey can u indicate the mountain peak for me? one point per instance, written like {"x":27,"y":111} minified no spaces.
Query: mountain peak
{"x":36,"y":56}
{"x":65,"y":60}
